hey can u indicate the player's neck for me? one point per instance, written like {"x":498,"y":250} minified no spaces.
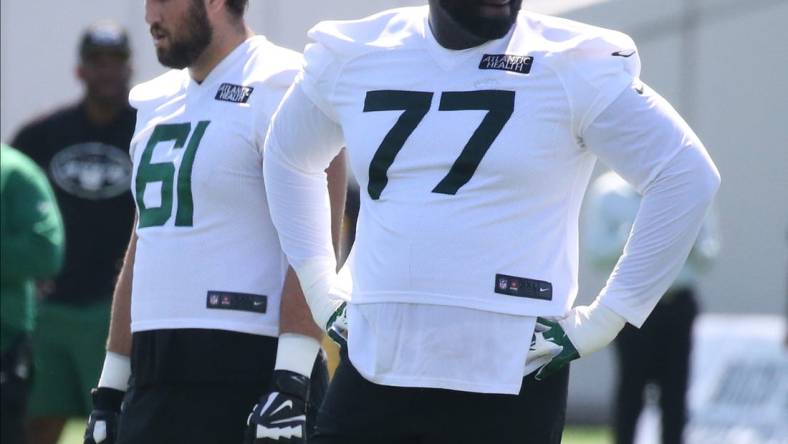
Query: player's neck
{"x":102,"y":112}
{"x":223,"y":43}
{"x":449,"y":34}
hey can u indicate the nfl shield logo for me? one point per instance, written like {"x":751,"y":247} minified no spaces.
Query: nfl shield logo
{"x":503,"y":283}
{"x":214,"y":299}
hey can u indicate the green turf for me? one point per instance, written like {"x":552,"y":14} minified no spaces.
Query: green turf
{"x":573,"y":435}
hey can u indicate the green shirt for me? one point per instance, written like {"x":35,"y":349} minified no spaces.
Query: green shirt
{"x":31,"y":240}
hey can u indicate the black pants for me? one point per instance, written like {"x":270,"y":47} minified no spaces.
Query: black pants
{"x":357,"y":411}
{"x":657,"y":353}
{"x":199,"y":386}
{"x":15,"y":374}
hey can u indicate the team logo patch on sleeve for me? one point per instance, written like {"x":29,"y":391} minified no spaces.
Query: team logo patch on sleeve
{"x":523,"y":287}
{"x":507,"y":62}
{"x":233,"y":93}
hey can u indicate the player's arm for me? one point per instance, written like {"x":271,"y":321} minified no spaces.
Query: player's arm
{"x":299,"y":338}
{"x":296,"y":352}
{"x":707,"y":245}
{"x":646,"y":142}
{"x":113,"y":382}
{"x":302,"y":141}
{"x":306,"y":193}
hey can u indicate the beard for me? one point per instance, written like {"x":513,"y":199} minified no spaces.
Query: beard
{"x":466,"y":13}
{"x":193,"y":37}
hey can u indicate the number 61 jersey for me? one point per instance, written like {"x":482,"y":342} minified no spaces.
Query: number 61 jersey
{"x":207,"y":253}
{"x":471,"y":163}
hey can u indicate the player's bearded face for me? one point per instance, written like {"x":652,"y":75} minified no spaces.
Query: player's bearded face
{"x":178,"y":45}
{"x":488,"y":19}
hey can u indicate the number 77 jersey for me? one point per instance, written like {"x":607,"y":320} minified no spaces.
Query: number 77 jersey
{"x":207,"y":253}
{"x":471,"y":163}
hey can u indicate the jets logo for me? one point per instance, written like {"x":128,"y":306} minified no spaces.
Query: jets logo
{"x":91,"y":170}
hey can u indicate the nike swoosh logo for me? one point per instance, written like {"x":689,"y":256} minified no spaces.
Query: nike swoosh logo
{"x":287,"y":403}
{"x":624,"y":53}
{"x":294,"y":418}
{"x":542,"y":290}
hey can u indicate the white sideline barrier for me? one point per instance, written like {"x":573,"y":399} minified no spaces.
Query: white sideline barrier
{"x":738,"y":385}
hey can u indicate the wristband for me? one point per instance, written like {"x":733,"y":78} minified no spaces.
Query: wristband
{"x":116,"y":372}
{"x":318,"y":279}
{"x":296,"y":353}
{"x":591,"y":328}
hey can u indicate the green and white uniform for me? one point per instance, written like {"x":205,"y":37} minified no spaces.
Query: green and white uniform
{"x":31,"y":235}
{"x":207,"y":253}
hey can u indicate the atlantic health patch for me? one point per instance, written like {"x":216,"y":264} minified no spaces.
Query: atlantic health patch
{"x":233,"y":93}
{"x":507,"y":62}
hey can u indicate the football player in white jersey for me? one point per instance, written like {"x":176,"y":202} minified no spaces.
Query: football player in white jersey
{"x":207,"y":321}
{"x":472,"y":128}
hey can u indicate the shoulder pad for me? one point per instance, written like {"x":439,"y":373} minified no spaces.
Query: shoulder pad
{"x":595,"y":64}
{"x":273,"y":65}
{"x":156,"y":90}
{"x":387,"y":29}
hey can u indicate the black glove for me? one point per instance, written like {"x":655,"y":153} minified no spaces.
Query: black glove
{"x":280,"y":415}
{"x":103,"y":421}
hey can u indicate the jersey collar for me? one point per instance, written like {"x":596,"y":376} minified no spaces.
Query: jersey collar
{"x":227,"y":62}
{"x":449,"y":59}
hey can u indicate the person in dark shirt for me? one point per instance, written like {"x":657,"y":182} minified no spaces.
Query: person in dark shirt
{"x":83,"y":148}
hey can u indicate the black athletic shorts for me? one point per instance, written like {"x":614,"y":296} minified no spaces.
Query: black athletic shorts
{"x":357,"y":411}
{"x":196,"y":386}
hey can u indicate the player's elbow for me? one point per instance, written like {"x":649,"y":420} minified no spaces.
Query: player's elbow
{"x":707,"y":182}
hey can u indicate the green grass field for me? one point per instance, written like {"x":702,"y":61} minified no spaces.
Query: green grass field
{"x":572,"y":435}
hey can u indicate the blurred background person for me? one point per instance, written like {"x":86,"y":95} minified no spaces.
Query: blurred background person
{"x":659,"y":352}
{"x":83,"y":147}
{"x":31,"y":242}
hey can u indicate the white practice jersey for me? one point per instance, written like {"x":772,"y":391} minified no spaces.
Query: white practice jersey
{"x":469,"y":165}
{"x":207,"y":253}
{"x":472,"y":166}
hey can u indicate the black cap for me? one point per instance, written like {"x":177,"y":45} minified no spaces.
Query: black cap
{"x":104,"y":36}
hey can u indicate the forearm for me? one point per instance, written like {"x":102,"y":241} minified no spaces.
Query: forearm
{"x":119,"y":339}
{"x":294,"y":314}
{"x":299,"y":336}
